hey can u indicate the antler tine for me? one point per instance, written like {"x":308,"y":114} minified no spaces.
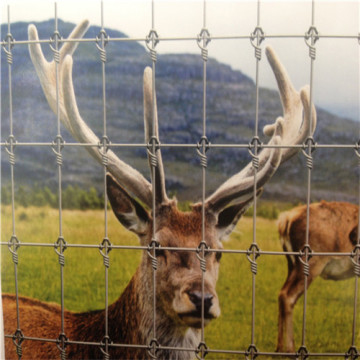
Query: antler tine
{"x":239,"y":187}
{"x":46,"y":70}
{"x":288,"y":94}
{"x":69,"y":113}
{"x":298,"y":123}
{"x":151,"y":124}
{"x":129,"y":177}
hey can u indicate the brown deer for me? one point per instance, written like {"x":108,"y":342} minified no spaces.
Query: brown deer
{"x":183,"y":300}
{"x":333,"y":227}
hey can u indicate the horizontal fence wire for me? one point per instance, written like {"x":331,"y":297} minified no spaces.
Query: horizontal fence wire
{"x":249,"y":145}
{"x":161,"y":39}
{"x":181,"y":249}
{"x":254,"y":146}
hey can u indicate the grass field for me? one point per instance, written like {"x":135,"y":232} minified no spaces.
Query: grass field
{"x":330,"y":304}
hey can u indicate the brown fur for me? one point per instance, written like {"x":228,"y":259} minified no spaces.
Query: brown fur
{"x":333,"y":227}
{"x":88,"y":326}
{"x":131,"y":316}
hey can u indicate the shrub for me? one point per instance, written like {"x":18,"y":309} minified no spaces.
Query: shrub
{"x":23,"y":216}
{"x":265,"y":210}
{"x":72,"y":197}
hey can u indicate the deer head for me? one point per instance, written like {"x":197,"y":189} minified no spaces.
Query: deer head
{"x":179,"y":276}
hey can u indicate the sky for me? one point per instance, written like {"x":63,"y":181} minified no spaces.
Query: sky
{"x":336,"y":68}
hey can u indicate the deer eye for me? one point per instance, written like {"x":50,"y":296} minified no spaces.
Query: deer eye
{"x":218,"y":256}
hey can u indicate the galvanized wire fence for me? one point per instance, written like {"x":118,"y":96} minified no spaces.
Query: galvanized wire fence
{"x":311,"y":36}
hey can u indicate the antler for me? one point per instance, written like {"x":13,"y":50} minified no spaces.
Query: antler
{"x":297,"y":123}
{"x":290,"y":130}
{"x":151,"y":124}
{"x":69,"y":113}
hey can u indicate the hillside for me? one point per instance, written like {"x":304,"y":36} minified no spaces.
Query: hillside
{"x":230,"y":110}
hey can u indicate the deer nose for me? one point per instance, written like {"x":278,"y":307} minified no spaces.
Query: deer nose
{"x":196,"y":298}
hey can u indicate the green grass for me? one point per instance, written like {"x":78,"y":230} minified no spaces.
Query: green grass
{"x":330,"y":304}
{"x":38,"y":269}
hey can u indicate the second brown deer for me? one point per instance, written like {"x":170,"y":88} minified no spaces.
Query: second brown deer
{"x":333,"y":227}
{"x":186,"y":297}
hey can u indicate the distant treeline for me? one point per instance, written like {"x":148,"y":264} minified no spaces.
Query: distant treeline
{"x":73,"y":197}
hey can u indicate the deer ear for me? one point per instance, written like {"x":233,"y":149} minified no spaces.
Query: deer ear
{"x":128,"y":211}
{"x":229,"y":217}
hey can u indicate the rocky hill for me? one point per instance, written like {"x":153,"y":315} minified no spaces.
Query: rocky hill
{"x":230,"y":119}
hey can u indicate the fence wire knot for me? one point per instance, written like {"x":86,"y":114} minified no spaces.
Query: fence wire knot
{"x":17,"y":339}
{"x":203,"y":145}
{"x":104,"y":145}
{"x":309,"y":145}
{"x":153,"y":348}
{"x":352,"y":353}
{"x":256,"y":144}
{"x":152,"y":147}
{"x":200,"y":254}
{"x":357,"y":148}
{"x":13,"y":246}
{"x":10,"y":42}
{"x":201,"y":351}
{"x":105,"y":245}
{"x":355,"y":257}
{"x":307,"y":252}
{"x":153,"y":159}
{"x":61,"y":342}
{"x":56,"y":39}
{"x":9,"y":148}
{"x":311,"y":37}
{"x":152,"y":39}
{"x":258,"y":35}
{"x":103,"y":345}
{"x":154,"y":244}
{"x":57,"y":146}
{"x":302,"y":353}
{"x":309,"y":160}
{"x":203,"y":40}
{"x":251,"y":352}
{"x":61,"y":244}
{"x":253,"y":250}
{"x":102,"y":40}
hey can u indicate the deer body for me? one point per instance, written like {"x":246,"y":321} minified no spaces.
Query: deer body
{"x":333,"y":227}
{"x":178,"y":302}
{"x":184,"y":247}
{"x":124,"y":314}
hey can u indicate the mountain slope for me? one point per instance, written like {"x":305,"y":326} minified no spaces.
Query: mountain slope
{"x":230,"y":120}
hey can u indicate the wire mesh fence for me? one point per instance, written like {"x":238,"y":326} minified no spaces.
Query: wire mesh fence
{"x":254,"y":146}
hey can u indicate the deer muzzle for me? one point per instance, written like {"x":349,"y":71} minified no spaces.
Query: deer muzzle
{"x":193,"y":305}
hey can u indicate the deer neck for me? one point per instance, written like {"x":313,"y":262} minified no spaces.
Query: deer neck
{"x":131,"y":320}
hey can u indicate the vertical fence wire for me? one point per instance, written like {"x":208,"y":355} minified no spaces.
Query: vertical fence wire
{"x":353,"y":351}
{"x":105,"y":247}
{"x":14,"y":243}
{"x":60,"y":244}
{"x":355,"y":257}
{"x":203,"y":40}
{"x":256,"y":39}
{"x":310,"y":39}
{"x":203,"y":43}
{"x":153,"y":41}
